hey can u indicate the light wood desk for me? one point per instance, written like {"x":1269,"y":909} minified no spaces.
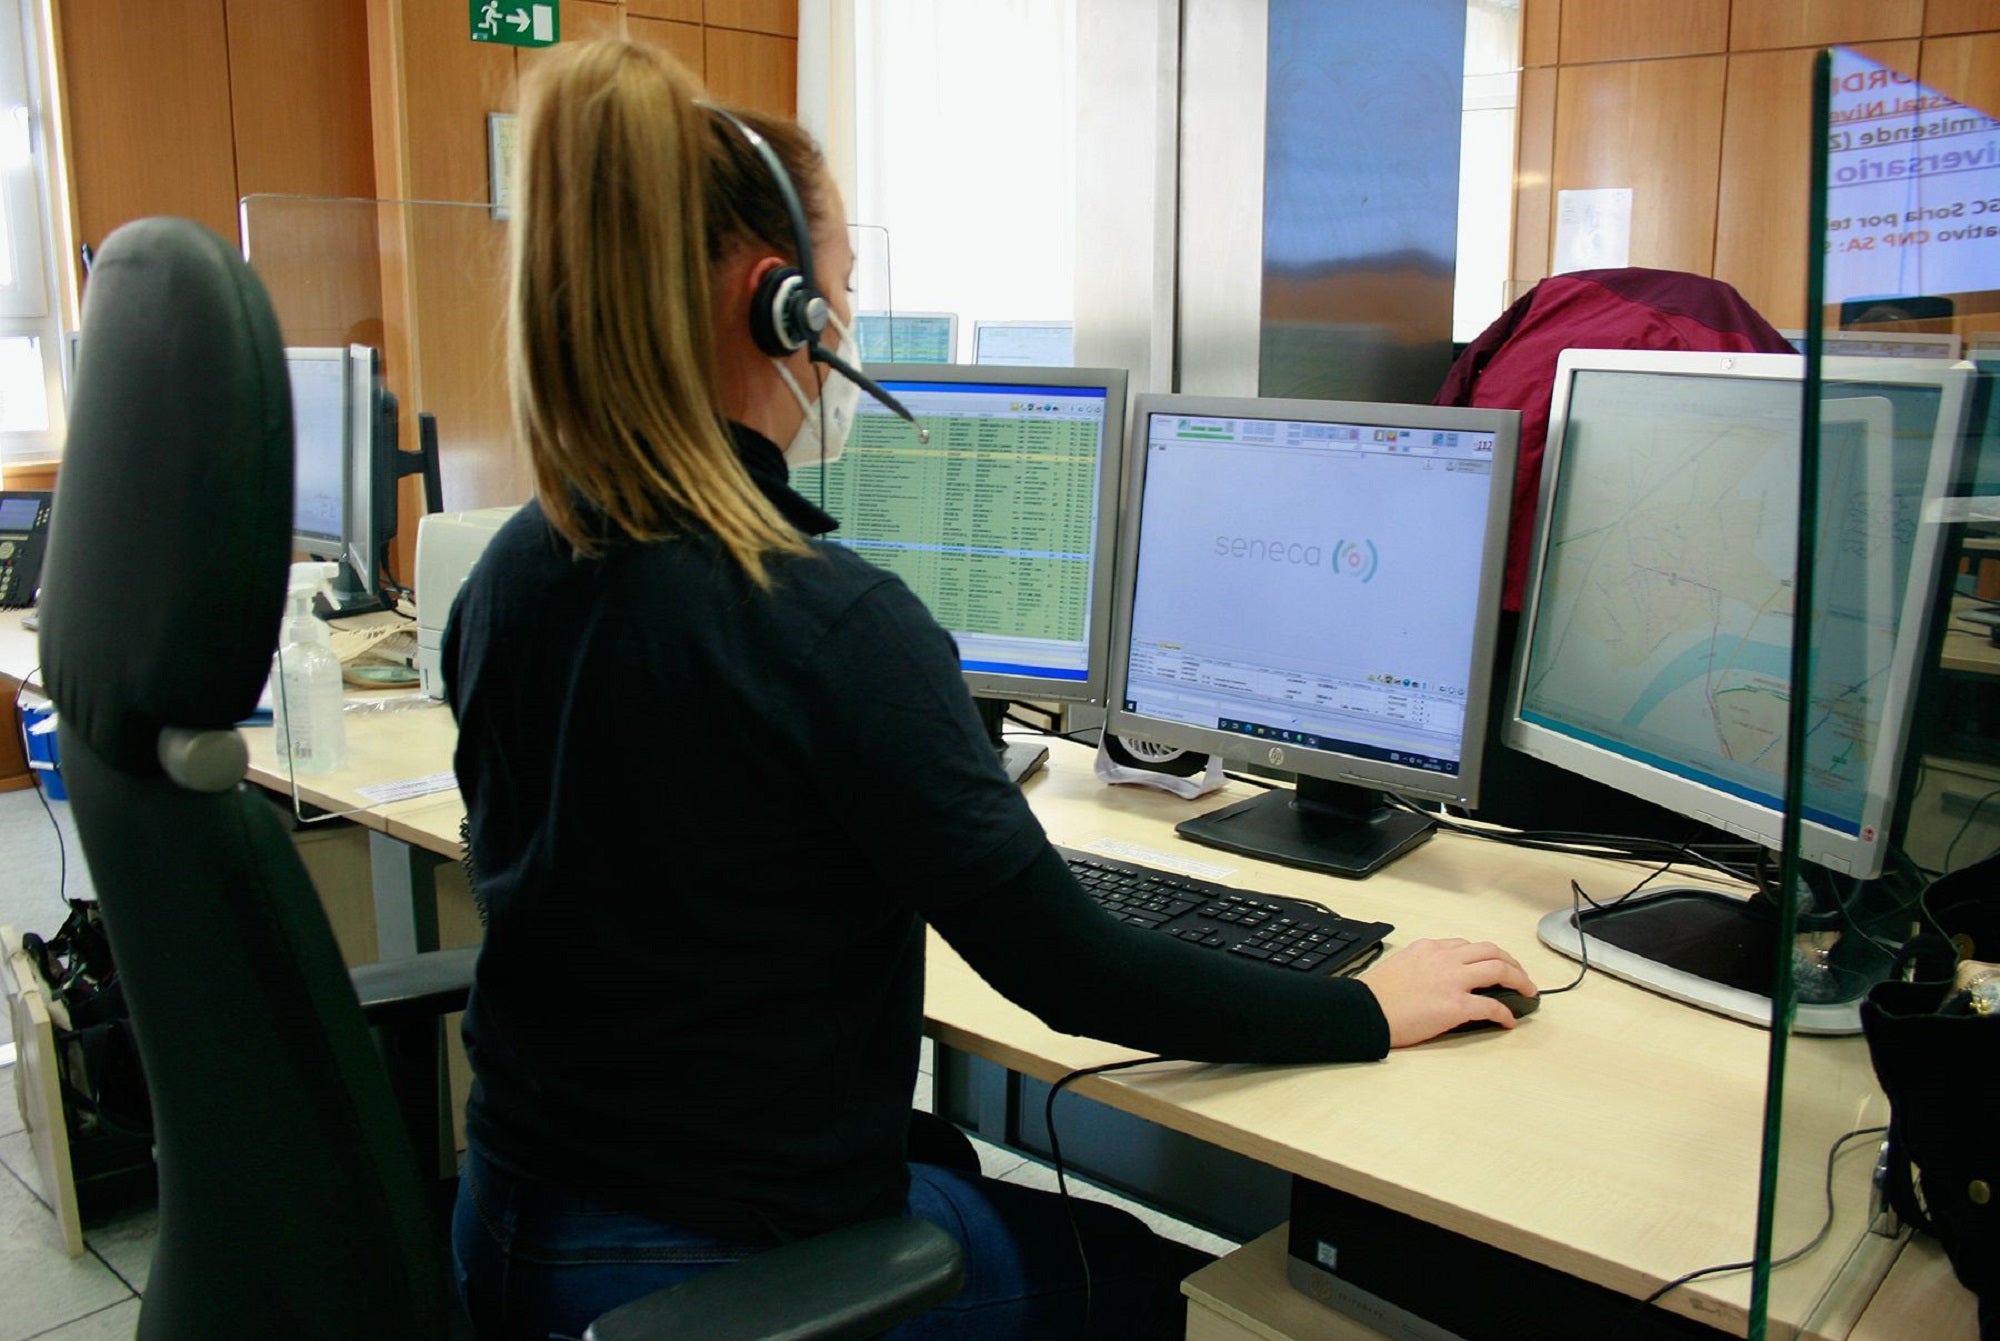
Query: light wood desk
{"x":1613,"y":1135}
{"x":1921,"y":1298}
{"x":404,"y":736}
{"x":1967,"y":649}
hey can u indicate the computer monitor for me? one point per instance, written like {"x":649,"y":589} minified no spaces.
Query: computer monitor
{"x":1001,"y":524}
{"x":1024,"y":344}
{"x":1314,"y":586}
{"x":1881,"y":344}
{"x":345,"y":465}
{"x":906,"y":337}
{"x":320,"y":447}
{"x":1656,"y":638}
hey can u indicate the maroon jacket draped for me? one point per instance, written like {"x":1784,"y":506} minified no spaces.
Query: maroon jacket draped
{"x":1513,"y":362}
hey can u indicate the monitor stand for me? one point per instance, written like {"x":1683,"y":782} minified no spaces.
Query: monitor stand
{"x":1709,"y":949}
{"x":347,"y":595}
{"x":1019,"y":758}
{"x":346,"y":602}
{"x":1335,"y":827}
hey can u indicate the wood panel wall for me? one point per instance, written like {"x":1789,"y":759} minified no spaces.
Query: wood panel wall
{"x":1702,"y":107}
{"x":359,"y":99}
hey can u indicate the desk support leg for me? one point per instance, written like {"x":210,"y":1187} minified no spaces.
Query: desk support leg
{"x":406,"y":923}
{"x":406,"y":915}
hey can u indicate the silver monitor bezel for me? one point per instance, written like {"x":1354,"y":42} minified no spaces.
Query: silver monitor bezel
{"x":364,"y":543}
{"x":1110,"y":471}
{"x":1860,"y":853}
{"x":333,"y":548}
{"x":1327,"y":765}
{"x":979,"y":328}
{"x":898,"y":314}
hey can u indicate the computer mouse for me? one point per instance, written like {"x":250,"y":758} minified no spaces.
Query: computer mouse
{"x":1506,"y":996}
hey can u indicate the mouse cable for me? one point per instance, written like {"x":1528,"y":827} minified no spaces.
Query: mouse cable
{"x":1055,"y":1154}
{"x":1825,"y":1228}
{"x":42,"y":791}
{"x":1577,"y":898}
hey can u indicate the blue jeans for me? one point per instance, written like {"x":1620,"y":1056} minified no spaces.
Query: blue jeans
{"x":534,"y":1263}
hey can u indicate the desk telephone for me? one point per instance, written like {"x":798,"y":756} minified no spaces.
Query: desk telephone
{"x":24,"y":531}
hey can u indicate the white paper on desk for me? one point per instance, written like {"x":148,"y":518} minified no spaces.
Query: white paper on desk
{"x":382,"y":793}
{"x":1593,"y":229}
{"x":352,"y":643}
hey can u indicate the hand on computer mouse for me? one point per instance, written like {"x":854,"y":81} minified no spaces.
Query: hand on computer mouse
{"x":1431,"y":986}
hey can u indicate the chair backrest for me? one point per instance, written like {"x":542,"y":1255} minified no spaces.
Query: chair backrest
{"x":1512,"y":365}
{"x":289,"y":1197}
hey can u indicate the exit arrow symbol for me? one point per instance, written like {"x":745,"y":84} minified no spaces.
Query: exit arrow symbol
{"x":519,"y":18}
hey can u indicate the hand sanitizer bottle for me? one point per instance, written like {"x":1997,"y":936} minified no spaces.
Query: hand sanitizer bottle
{"x":305,"y":679}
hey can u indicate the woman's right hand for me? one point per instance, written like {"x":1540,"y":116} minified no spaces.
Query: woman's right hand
{"x":1427,"y":987}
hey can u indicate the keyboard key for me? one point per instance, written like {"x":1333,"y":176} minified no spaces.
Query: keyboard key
{"x":1287,"y":934}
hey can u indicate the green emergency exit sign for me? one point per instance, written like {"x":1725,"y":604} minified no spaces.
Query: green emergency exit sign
{"x":516,"y":23}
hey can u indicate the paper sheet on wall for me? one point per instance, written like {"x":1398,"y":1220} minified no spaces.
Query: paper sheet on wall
{"x":1593,"y":229}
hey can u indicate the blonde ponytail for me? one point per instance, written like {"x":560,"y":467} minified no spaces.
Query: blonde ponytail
{"x":610,"y":348}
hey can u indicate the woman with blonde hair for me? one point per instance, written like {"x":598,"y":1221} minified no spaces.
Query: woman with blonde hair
{"x":720,"y":773}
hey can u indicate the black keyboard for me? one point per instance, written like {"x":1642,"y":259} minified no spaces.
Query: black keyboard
{"x":1287,"y":934}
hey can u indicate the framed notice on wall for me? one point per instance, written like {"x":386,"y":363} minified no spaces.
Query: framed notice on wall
{"x":500,"y":132}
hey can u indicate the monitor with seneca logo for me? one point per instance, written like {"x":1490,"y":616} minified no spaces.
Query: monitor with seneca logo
{"x":1314,"y":586}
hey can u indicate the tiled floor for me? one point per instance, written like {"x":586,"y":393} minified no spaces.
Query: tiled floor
{"x":44,"y":1294}
{"x":50,"y":1297}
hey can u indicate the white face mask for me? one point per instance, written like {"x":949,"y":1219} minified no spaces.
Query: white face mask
{"x":838,"y":400}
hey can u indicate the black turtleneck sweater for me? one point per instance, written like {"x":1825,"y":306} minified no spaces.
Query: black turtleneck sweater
{"x":708,"y":824}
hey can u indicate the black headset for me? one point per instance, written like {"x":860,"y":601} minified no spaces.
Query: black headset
{"x":788,"y":312}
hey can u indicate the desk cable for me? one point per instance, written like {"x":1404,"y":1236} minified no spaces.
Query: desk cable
{"x":1825,"y":1228}
{"x":1966,"y":827}
{"x":42,"y":794}
{"x":1055,"y":1153}
{"x":1748,"y":862}
{"x":1819,"y":1237}
{"x":1738,"y":861}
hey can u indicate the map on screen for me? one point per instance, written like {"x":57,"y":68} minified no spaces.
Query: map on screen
{"x":1664,"y":629}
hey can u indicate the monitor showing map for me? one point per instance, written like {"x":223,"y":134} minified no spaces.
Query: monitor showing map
{"x":1656,"y":645}
{"x":1657,"y":636}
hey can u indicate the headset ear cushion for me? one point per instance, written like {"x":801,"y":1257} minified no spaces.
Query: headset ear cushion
{"x":775,"y":323}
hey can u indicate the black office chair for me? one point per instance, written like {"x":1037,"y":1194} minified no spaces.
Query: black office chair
{"x":290,"y":1200}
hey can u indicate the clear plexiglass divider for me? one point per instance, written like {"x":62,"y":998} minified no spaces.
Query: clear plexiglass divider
{"x":1893,"y":694}
{"x":411,"y":295}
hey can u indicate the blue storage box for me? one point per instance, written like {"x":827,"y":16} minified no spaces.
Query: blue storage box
{"x":39,"y":721}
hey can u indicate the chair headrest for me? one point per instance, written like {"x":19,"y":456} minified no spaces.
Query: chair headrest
{"x":170,"y":534}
